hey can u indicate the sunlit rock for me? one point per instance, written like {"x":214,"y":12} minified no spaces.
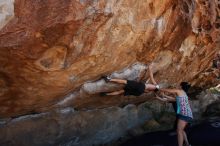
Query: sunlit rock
{"x":6,"y":11}
{"x":53,"y":53}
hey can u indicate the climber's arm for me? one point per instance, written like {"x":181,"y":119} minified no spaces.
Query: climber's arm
{"x":151,"y":75}
{"x":169,"y":98}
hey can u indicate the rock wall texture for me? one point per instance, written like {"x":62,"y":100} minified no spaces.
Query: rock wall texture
{"x":68,"y":127}
{"x":51,"y":49}
{"x":6,"y":11}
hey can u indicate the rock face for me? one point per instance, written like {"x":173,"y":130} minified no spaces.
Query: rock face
{"x":50,"y":48}
{"x":68,"y":127}
{"x":6,"y":11}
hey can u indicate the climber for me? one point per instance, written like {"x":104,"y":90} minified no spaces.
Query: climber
{"x":133,"y":87}
{"x":184,"y":112}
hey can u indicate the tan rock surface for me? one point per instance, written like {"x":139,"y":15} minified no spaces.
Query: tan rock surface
{"x":51,"y":48}
{"x":6,"y":11}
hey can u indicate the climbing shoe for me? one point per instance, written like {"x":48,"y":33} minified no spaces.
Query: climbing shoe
{"x":106,"y":78}
{"x":103,"y":94}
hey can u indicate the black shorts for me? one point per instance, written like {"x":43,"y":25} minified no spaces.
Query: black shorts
{"x":185,"y":118}
{"x":134,"y":88}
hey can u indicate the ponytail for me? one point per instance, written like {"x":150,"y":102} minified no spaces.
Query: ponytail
{"x":185,"y":86}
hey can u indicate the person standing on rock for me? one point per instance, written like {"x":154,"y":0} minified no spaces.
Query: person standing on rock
{"x":184,"y":112}
{"x":133,"y":87}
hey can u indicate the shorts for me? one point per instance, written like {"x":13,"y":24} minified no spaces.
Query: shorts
{"x":185,"y":118}
{"x":134,"y":88}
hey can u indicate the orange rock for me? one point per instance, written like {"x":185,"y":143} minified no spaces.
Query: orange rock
{"x":82,"y":40}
